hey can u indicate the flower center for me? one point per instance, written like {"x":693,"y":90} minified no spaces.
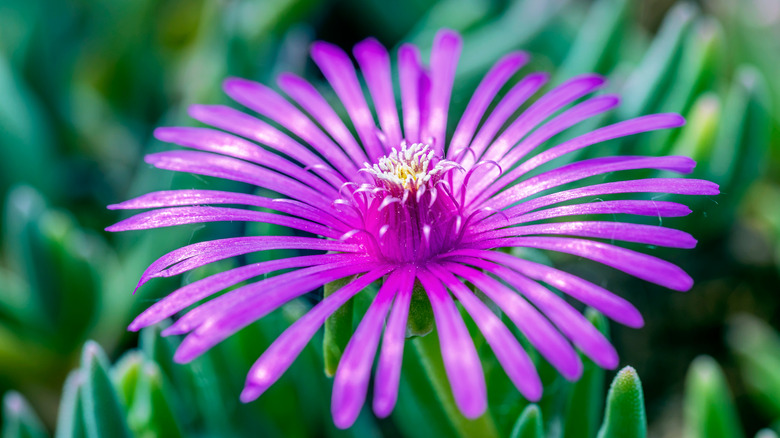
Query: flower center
{"x":411,"y":169}
{"x":409,"y":213}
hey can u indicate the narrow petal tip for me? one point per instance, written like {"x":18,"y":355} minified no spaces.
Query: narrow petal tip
{"x":383,"y":406}
{"x":573,"y":370}
{"x":474,"y":408}
{"x":369,"y":46}
{"x":343,"y":418}
{"x":250,"y":394}
{"x":448,"y":37}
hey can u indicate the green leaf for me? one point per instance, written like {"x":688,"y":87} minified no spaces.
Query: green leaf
{"x":646,"y":84}
{"x":57,"y":260}
{"x":739,"y":155}
{"x":597,"y":40}
{"x":427,"y":347}
{"x":125,"y":376}
{"x":338,"y":329}
{"x":624,"y":416}
{"x":529,"y":424}
{"x":420,"y":322}
{"x":698,"y":135}
{"x":70,"y":418}
{"x":26,"y":143}
{"x":699,"y":65}
{"x":757,"y":348}
{"x":709,"y":410}
{"x":585,"y":402}
{"x":19,"y":419}
{"x":103,"y":414}
{"x":197,"y":386}
{"x":150,"y":414}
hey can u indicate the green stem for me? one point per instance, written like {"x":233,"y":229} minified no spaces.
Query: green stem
{"x":427,"y":348}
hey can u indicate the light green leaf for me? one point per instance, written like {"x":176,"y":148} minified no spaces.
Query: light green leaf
{"x":529,"y":424}
{"x":70,"y":419}
{"x":585,"y":403}
{"x":709,"y":410}
{"x":103,"y":414}
{"x":19,"y":419}
{"x":338,"y":328}
{"x":624,"y":416}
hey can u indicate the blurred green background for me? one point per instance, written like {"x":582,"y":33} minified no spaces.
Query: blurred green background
{"x":84,"y":82}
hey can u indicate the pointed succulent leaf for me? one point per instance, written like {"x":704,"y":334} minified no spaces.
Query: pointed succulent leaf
{"x":125,"y":374}
{"x":150,"y":413}
{"x":420,"y":321}
{"x":70,"y":418}
{"x":624,"y":416}
{"x":653,"y":73}
{"x":597,"y":41}
{"x":709,"y":410}
{"x":338,"y":329}
{"x":739,"y":155}
{"x":585,"y":402}
{"x":757,"y":347}
{"x":103,"y":414}
{"x":529,"y":424}
{"x":19,"y":419}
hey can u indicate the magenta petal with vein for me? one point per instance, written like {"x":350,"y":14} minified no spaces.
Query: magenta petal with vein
{"x":407,"y":201}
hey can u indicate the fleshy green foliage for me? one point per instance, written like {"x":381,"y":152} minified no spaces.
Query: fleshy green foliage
{"x":19,"y":420}
{"x":757,"y":347}
{"x":709,"y":409}
{"x":585,"y":402}
{"x":624,"y":416}
{"x":84,"y":83}
{"x":338,"y":329}
{"x":529,"y":425}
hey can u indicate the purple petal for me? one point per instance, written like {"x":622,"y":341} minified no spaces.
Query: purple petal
{"x":375,"y":65}
{"x":675,"y":186}
{"x":216,"y":141}
{"x":202,"y":253}
{"x":611,"y":305}
{"x":581,"y":170}
{"x":551,"y":102}
{"x":312,"y":101}
{"x":280,"y":355}
{"x":250,"y":127}
{"x":235,"y":310}
{"x":659,"y":209}
{"x":267,"y":102}
{"x":351,"y":381}
{"x":167,"y":217}
{"x":487,"y":90}
{"x":190,"y":294}
{"x":508,"y":105}
{"x":574,"y":115}
{"x":571,"y":322}
{"x":515,"y":361}
{"x":444,"y":61}
{"x":409,"y":72}
{"x":627,"y":232}
{"x":176,"y":198}
{"x":639,"y":265}
{"x":461,"y":361}
{"x":388,"y":370}
{"x":540,"y":333}
{"x":340,"y":72}
{"x":219,"y":166}
{"x":625,"y":128}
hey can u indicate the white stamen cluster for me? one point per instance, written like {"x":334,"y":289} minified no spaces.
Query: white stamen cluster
{"x":408,"y":169}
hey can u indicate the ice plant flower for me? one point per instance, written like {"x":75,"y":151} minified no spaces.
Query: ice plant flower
{"x":406,"y":204}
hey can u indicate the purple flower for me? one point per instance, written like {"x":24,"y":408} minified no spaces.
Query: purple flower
{"x":408,"y":205}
